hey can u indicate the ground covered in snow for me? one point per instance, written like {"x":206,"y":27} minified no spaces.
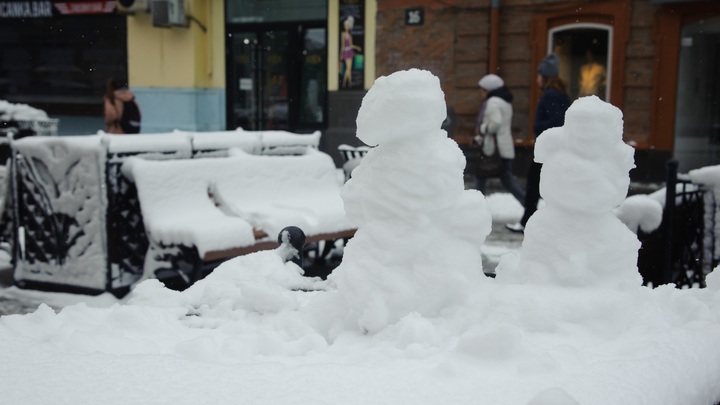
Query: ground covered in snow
{"x":408,"y":317}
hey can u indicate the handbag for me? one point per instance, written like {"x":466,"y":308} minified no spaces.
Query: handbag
{"x":489,"y":162}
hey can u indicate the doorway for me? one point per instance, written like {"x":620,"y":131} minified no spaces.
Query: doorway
{"x":277,"y":77}
{"x":697,"y":116}
{"x":585,"y":53}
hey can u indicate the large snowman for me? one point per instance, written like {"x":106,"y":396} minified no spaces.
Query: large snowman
{"x":417,"y":248}
{"x":576,"y":240}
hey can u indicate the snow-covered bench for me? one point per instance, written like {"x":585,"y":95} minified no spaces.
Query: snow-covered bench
{"x":223,"y":207}
{"x":78,"y":220}
{"x":127,"y":242}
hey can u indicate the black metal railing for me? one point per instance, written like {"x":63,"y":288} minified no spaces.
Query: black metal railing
{"x":682,"y":249}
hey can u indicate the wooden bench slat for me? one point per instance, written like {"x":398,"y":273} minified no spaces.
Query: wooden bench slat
{"x":269,"y":245}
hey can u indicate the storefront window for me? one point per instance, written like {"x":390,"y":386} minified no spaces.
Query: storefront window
{"x":264,"y":11}
{"x":584,"y":52}
{"x":314,"y":77}
{"x":697,"y":122}
{"x":352,"y":37}
{"x":61,"y":63}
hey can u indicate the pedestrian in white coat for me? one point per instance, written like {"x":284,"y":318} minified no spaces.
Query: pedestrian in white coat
{"x":495,"y":116}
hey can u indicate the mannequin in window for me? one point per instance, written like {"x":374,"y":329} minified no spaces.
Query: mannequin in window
{"x":347,"y":51}
{"x":592,"y":77}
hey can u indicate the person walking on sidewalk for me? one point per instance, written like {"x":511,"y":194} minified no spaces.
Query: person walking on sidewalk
{"x":495,"y":117}
{"x":550,"y":113}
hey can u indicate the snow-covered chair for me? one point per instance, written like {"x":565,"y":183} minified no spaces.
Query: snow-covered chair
{"x":59,"y":209}
{"x":351,"y":156}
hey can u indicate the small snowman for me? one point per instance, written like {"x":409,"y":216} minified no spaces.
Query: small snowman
{"x":576,"y":240}
{"x":417,"y":248}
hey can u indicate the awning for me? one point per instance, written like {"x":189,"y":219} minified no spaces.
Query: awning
{"x":673,"y":1}
{"x":48,"y":9}
{"x":85,"y":7}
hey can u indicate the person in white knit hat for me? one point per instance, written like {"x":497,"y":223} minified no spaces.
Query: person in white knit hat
{"x":495,"y":117}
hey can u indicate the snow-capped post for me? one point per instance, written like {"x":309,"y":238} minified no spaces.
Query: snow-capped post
{"x":292,"y":241}
{"x":671,"y":178}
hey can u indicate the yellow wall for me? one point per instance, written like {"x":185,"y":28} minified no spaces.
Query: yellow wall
{"x":370,"y":31}
{"x":180,"y":57}
{"x":334,"y":42}
{"x":187,"y":57}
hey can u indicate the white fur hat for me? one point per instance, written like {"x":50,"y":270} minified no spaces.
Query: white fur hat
{"x":491,"y":82}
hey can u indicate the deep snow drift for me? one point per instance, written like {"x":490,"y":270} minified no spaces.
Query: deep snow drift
{"x":408,"y":317}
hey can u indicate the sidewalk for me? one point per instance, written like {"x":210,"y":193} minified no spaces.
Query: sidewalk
{"x":10,"y":306}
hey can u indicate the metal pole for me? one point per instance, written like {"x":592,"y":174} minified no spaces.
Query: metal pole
{"x":670,"y":193}
{"x":494,"y":36}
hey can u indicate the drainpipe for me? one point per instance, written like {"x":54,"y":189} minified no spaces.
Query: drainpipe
{"x":494,"y":35}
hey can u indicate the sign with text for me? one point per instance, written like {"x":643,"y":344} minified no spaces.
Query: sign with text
{"x":414,"y":16}
{"x":49,"y":9}
{"x":25,"y":9}
{"x":85,"y":7}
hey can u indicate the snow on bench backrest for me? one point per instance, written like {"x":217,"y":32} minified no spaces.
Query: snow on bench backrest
{"x":216,"y":144}
{"x":287,"y":143}
{"x":215,"y":203}
{"x":167,"y":145}
{"x":185,"y":144}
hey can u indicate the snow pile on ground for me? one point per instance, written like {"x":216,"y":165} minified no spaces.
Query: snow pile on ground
{"x":255,"y":331}
{"x":20,"y":112}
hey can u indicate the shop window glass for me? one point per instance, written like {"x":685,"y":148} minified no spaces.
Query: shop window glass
{"x":697,"y":117}
{"x":585,"y":56}
{"x":61,"y":64}
{"x":261,"y":11}
{"x":314,"y":77}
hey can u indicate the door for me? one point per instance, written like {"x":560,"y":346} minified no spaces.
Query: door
{"x":277,"y":78}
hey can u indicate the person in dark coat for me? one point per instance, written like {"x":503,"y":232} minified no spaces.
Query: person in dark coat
{"x":550,"y":113}
{"x":116,"y":94}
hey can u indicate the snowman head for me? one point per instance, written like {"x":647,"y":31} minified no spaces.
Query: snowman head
{"x":405,"y":105}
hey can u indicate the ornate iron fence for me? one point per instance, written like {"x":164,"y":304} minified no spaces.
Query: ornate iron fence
{"x":682,"y":250}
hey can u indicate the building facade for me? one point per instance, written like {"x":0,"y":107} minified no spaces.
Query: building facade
{"x":657,"y":60}
{"x":58,"y":55}
{"x":303,"y":65}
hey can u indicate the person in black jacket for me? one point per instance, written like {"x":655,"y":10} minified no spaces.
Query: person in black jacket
{"x":550,"y":113}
